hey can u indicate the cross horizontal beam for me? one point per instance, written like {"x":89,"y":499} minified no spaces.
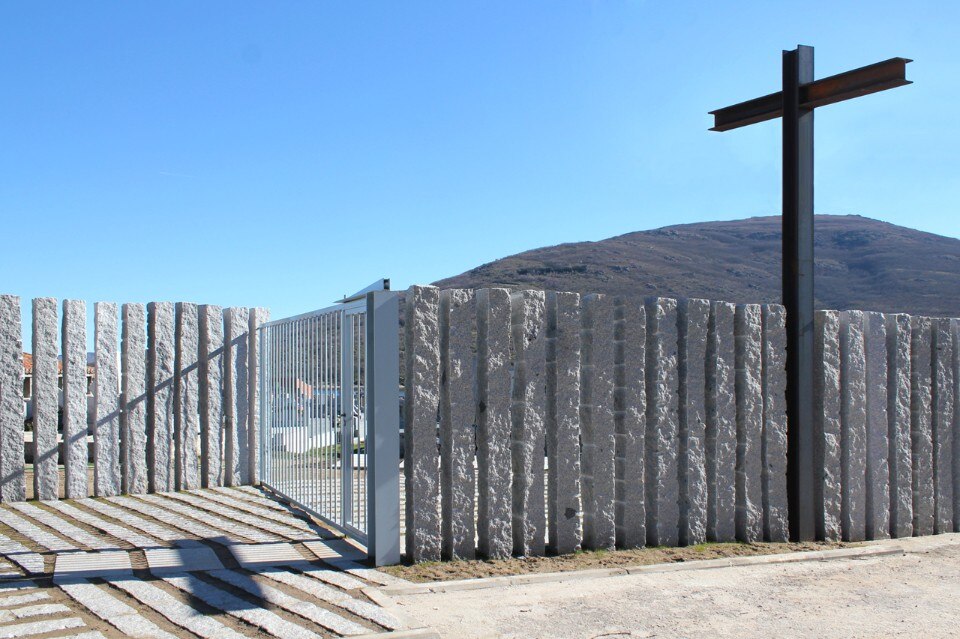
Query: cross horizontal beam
{"x":836,"y":88}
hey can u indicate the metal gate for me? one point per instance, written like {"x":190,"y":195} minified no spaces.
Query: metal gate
{"x":330,"y":436}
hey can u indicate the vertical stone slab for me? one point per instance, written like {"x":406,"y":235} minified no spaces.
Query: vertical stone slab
{"x":564,"y":506}
{"x":749,"y":361}
{"x":921,"y":425}
{"x":721,"y":431}
{"x":853,"y":427}
{"x":160,"y":415}
{"x":692,"y":324}
{"x":211,"y":395}
{"x":133,"y":419}
{"x":528,"y":411}
{"x":458,"y":417}
{"x":187,"y":397}
{"x":878,"y":445}
{"x":421,"y":462}
{"x":258,"y":316}
{"x":236,"y":324}
{"x":631,"y":422}
{"x":955,"y":340}
{"x":106,"y":431}
{"x":898,"y":425}
{"x":663,"y":424}
{"x":74,"y":346}
{"x":494,"y":462}
{"x":826,"y":392}
{"x":942,"y":399}
{"x":598,"y":457}
{"x":12,"y":483}
{"x":45,"y":399}
{"x":776,"y":525}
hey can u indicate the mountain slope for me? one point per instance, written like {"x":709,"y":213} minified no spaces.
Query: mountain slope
{"x":860,"y":263}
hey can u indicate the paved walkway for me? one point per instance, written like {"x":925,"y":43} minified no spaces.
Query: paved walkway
{"x":914,"y":594}
{"x":218,"y":563}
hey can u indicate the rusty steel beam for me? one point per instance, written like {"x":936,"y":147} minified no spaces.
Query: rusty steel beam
{"x":872,"y":78}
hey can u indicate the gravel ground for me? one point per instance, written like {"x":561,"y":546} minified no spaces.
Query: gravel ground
{"x":450,"y":570}
{"x":913,"y":595}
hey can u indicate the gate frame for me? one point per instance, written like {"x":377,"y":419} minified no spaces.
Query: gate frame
{"x":382,"y":417}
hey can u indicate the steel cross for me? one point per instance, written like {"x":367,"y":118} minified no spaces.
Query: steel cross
{"x":801,"y":94}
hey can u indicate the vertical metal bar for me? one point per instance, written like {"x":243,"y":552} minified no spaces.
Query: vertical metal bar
{"x":346,"y":432}
{"x":382,"y":381}
{"x":798,"y":291}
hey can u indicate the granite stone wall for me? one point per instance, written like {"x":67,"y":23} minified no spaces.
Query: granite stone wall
{"x":170,"y":405}
{"x":595,"y":422}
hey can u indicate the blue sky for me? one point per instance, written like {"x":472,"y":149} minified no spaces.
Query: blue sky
{"x":286,"y":153}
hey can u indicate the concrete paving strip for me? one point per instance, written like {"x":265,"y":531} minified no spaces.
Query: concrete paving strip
{"x":149,"y":527}
{"x":370,"y":574}
{"x":254,"y":556}
{"x":231,"y":498}
{"x":162,"y":560}
{"x":107,"y":607}
{"x":38,"y":610}
{"x":335,"y":597}
{"x":859,"y":552}
{"x":16,"y":586}
{"x":93,"y":634}
{"x":133,"y":538}
{"x":93,"y":564}
{"x":184,"y":523}
{"x":243,"y":517}
{"x":39,"y":627}
{"x":175,"y":610}
{"x":335,"y":549}
{"x":19,"y":600}
{"x":65,"y":528}
{"x":234,"y":606}
{"x":16,"y":552}
{"x":332,"y":577}
{"x":34,"y":532}
{"x":305,"y":609}
{"x":257,"y":495}
{"x":212,"y":520}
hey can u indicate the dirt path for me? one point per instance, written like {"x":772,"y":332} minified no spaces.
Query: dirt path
{"x":913,"y":595}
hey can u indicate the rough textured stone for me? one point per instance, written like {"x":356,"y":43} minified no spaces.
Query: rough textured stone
{"x":775,"y":515}
{"x":107,"y":607}
{"x":630,"y":403}
{"x":236,"y":471}
{"x":942,"y":400}
{"x":421,"y":402}
{"x":528,"y":408}
{"x":693,"y":320}
{"x":898,"y":425}
{"x":662,"y":443}
{"x":12,"y":486}
{"x":74,"y":346}
{"x":598,"y":456}
{"x":133,"y":419}
{"x":494,"y":499}
{"x":749,"y":345}
{"x":106,"y":429}
{"x":878,"y":446}
{"x":721,"y":431}
{"x":211,"y":395}
{"x":45,"y":399}
{"x":955,"y":340}
{"x":258,"y":316}
{"x":160,"y":372}
{"x":562,"y":428}
{"x":826,"y":390}
{"x":458,"y":417}
{"x":186,"y":410}
{"x":853,"y":427}
{"x":921,"y":425}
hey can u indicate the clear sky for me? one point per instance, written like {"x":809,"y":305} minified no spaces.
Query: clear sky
{"x":285,"y":153}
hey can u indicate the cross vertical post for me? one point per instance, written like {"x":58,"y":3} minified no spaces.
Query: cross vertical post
{"x":798,"y":293}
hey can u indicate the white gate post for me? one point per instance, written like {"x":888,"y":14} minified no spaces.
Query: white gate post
{"x":383,"y":427}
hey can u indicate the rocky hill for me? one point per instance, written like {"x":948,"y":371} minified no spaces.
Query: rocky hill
{"x":860,"y":263}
